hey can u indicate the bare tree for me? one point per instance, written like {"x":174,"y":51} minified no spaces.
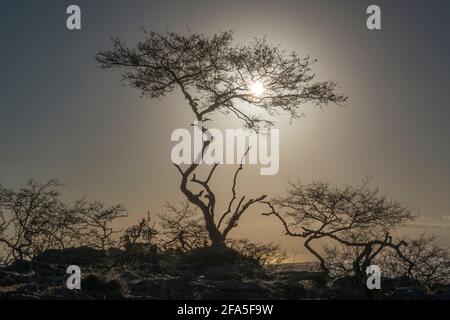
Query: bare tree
{"x":5,"y":247}
{"x":428,"y":261}
{"x":182,"y":228}
{"x":266,"y":254}
{"x":31,"y":219}
{"x":318,"y":211}
{"x":144,"y":232}
{"x":214,"y":75}
{"x":423,"y":260}
{"x":96,"y":220}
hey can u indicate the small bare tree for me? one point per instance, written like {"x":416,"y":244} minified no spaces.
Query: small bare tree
{"x":214,"y":75}
{"x":318,"y":211}
{"x":422,"y":259}
{"x":182,"y":228}
{"x":33,"y":219}
{"x":143,"y":233}
{"x":353,"y":256}
{"x":266,"y":254}
{"x":96,"y":220}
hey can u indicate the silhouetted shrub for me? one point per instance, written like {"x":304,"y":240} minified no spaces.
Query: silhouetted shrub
{"x":358,"y":217}
{"x":33,"y":220}
{"x":140,"y":254}
{"x":143,"y":233}
{"x":83,"y":256}
{"x":264,"y":254}
{"x":427,"y":261}
{"x":101,"y":288}
{"x":182,"y":228}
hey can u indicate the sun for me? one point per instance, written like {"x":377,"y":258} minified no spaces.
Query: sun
{"x":257,"y":89}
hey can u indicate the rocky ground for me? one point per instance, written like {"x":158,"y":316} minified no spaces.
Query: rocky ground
{"x":119,"y":275}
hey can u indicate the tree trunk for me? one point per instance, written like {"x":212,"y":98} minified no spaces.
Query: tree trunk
{"x":216,"y":237}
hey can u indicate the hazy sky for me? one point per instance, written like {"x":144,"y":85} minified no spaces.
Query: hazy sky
{"x":61,"y":117}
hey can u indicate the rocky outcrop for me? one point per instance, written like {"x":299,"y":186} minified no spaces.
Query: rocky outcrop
{"x":115,"y":276}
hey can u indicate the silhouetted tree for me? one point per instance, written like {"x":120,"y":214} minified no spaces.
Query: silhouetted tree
{"x":214,"y":75}
{"x":34,"y":219}
{"x":424,"y":261}
{"x":182,"y":228}
{"x":354,"y":216}
{"x":96,"y":220}
{"x":428,"y":261}
{"x":266,"y":254}
{"x":353,"y":256}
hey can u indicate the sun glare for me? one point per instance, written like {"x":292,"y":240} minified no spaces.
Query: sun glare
{"x":257,"y":89}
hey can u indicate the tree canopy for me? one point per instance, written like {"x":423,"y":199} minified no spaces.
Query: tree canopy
{"x":214,"y":74}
